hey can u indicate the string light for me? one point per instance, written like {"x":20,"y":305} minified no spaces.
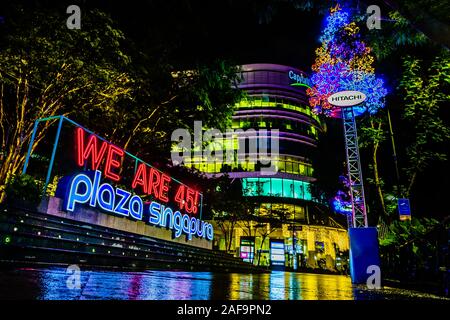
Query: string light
{"x":340,"y":205}
{"x":344,"y":62}
{"x":341,"y":202}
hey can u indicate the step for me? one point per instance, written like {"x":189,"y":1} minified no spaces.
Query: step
{"x":58,"y":239}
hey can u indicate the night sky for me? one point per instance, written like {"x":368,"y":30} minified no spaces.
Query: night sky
{"x":233,"y":30}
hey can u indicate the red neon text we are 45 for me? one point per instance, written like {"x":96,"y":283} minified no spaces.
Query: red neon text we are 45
{"x":153,"y":182}
{"x":187,"y":198}
{"x":91,"y":150}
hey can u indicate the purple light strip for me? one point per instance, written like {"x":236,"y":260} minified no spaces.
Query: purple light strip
{"x":295,"y":135}
{"x":294,"y":114}
{"x":279,"y":138}
{"x":276,"y":117}
{"x":278,"y":94}
{"x":253,"y":85}
{"x":257,"y":174}
{"x":298,"y":159}
{"x":271,"y":67}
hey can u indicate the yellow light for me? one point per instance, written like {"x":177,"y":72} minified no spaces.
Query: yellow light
{"x":335,"y":9}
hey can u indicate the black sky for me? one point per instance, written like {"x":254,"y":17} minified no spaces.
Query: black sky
{"x":234,"y":30}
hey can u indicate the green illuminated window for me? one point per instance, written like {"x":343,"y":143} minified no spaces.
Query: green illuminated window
{"x":276,"y":187}
{"x":264,"y":187}
{"x":288,"y":188}
{"x":299,"y":191}
{"x":250,"y":166}
{"x":211,"y":167}
{"x":289,"y":167}
{"x":289,"y":211}
{"x":301,"y":169}
{"x":286,"y":164}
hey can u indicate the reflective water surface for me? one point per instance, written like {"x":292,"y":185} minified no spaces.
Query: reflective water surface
{"x":52,"y":284}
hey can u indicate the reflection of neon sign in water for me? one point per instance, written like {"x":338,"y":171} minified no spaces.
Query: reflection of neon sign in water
{"x":86,"y":188}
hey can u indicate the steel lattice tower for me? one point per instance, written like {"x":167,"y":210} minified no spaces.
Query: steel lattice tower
{"x":358,"y":218}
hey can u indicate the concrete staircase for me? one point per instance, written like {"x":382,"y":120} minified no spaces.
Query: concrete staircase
{"x":32,"y":238}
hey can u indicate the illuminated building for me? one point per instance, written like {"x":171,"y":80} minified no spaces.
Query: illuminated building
{"x":276,"y":99}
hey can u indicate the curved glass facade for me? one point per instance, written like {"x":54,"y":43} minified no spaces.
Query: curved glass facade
{"x":277,"y":100}
{"x":299,"y":226}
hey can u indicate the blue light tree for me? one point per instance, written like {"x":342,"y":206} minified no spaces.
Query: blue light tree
{"x":344,"y":62}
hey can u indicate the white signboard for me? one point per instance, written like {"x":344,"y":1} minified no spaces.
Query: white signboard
{"x":346,"y":98}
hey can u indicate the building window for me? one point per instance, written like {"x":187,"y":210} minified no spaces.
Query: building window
{"x":276,"y":187}
{"x":247,"y":249}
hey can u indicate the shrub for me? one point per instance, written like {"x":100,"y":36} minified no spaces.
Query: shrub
{"x":23,"y":189}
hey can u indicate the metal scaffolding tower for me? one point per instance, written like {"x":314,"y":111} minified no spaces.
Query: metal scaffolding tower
{"x":358,"y":218}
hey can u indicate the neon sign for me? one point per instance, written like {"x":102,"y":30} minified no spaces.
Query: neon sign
{"x":91,"y":151}
{"x":87,"y":188}
{"x":82,"y":188}
{"x":300,"y":80}
{"x":148,"y":180}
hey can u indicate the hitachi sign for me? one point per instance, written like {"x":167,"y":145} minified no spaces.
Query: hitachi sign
{"x":346,"y":98}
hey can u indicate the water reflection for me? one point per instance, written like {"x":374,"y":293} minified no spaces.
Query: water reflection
{"x":151,"y":285}
{"x":51,"y":284}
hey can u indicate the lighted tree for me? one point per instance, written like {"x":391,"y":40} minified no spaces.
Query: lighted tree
{"x":344,"y":62}
{"x":340,"y":202}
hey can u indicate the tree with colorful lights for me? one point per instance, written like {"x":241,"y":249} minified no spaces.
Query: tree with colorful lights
{"x":340,"y":202}
{"x":344,"y":62}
